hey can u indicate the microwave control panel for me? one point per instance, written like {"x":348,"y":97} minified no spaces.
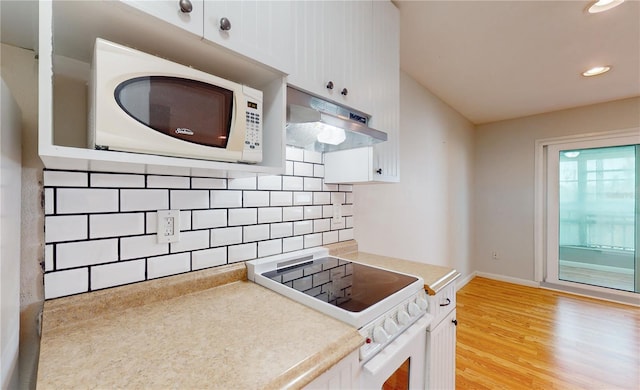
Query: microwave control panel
{"x":253,"y":133}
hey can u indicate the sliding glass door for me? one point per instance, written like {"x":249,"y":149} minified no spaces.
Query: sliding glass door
{"x":593,"y":222}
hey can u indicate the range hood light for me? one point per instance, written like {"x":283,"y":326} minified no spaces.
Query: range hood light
{"x":603,"y":5}
{"x":331,"y":135}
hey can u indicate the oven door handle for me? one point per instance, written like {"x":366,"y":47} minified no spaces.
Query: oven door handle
{"x":380,"y":361}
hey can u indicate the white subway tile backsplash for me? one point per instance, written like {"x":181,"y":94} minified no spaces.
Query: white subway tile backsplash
{"x":281,"y":198}
{"x":302,"y":198}
{"x":291,"y":244}
{"x":312,"y":212}
{"x":83,"y":253}
{"x":294,"y":154}
{"x":312,"y":240}
{"x":185,"y":220}
{"x":302,"y":227}
{"x":283,"y":229}
{"x":269,"y":248}
{"x":348,"y":222}
{"x":112,"y":180}
{"x":160,"y":266}
{"x":212,"y":218}
{"x":338,"y":225}
{"x":48,"y":201}
{"x":345,"y":187}
{"x":208,"y":183}
{"x":312,"y":184}
{"x":349,"y":198}
{"x":189,"y":241}
{"x":269,"y":214}
{"x":321,"y":198}
{"x":255,"y":198}
{"x":321,"y":225}
{"x":116,"y":274}
{"x":329,"y":237}
{"x":318,"y":171}
{"x":329,"y":187}
{"x":327,"y":211}
{"x":226,"y":199}
{"x":189,"y":199}
{"x":243,"y":183}
{"x":116,"y":225}
{"x":65,"y":179}
{"x":345,"y":235}
{"x":168,"y":170}
{"x":168,"y":182}
{"x":242,"y":252}
{"x":208,"y":258}
{"x":48,"y":258}
{"x":226,"y":236}
{"x":255,"y":233}
{"x":243,"y":217}
{"x":86,"y":200}
{"x":292,"y":213}
{"x":272,"y":183}
{"x":65,"y":228}
{"x":143,"y":200}
{"x":337,"y":198}
{"x":347,"y":210}
{"x":141,"y":246}
{"x":302,"y":169}
{"x":292,"y":183}
{"x":312,"y":156}
{"x":61,"y":283}
{"x":288,"y":168}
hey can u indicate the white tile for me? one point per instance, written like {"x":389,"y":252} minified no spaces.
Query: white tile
{"x":86,"y":200}
{"x":330,"y":187}
{"x":65,"y":228}
{"x":113,"y":180}
{"x":329,"y":237}
{"x":345,"y":234}
{"x":226,"y":199}
{"x":255,"y":233}
{"x":349,"y":198}
{"x":243,"y":217}
{"x":295,"y":154}
{"x":321,"y":225}
{"x":158,"y":267}
{"x":208,"y":258}
{"x":168,"y":170}
{"x":338,"y":225}
{"x":318,"y":171}
{"x":302,"y":227}
{"x":185,"y":220}
{"x":48,"y":201}
{"x":281,"y":198}
{"x":255,"y":198}
{"x":337,"y":197}
{"x":65,"y":179}
{"x":226,"y":236}
{"x":206,"y":219}
{"x":312,"y":156}
{"x":142,"y":200}
{"x":272,"y":183}
{"x":116,"y":166}
{"x":292,"y":213}
{"x":312,"y":212}
{"x":116,"y":274}
{"x":327,"y":211}
{"x":82,"y":253}
{"x":242,"y":252}
{"x":312,"y":184}
{"x":288,"y":168}
{"x":208,"y":183}
{"x":243,"y":183}
{"x":269,"y":214}
{"x":168,"y":182}
{"x":189,"y":241}
{"x":292,"y":244}
{"x":347,"y":210}
{"x":116,"y":225}
{"x":141,"y":246}
{"x":302,"y":169}
{"x":269,"y":248}
{"x":348,"y":222}
{"x":345,"y":187}
{"x":206,"y":172}
{"x":321,"y":198}
{"x":62,"y":283}
{"x":279,"y":230}
{"x":188,"y":200}
{"x":292,"y":183}
{"x":152,"y":222}
{"x":302,"y":198}
{"x":312,"y":240}
{"x":48,"y":258}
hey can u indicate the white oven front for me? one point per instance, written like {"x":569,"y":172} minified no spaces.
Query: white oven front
{"x":400,"y":364}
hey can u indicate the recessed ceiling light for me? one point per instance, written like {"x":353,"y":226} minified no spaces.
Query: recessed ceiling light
{"x":603,"y":5}
{"x":596,"y":71}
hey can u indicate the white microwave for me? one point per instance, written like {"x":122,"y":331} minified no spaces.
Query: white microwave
{"x":145,"y":104}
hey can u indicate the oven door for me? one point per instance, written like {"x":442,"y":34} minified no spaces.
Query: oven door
{"x":401,"y":364}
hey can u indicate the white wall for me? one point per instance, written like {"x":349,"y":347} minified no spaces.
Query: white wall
{"x":10,"y":171}
{"x":426,"y":217}
{"x":504,"y":179}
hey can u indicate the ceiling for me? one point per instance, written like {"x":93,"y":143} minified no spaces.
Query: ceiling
{"x":490,"y":60}
{"x":495,"y":60}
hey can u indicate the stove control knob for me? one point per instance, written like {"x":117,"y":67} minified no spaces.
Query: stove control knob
{"x":403,"y":317}
{"x":390,"y":326}
{"x":422,"y":303}
{"x":414,"y":310}
{"x":379,"y":335}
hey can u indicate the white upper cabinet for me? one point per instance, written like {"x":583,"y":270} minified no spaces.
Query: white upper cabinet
{"x":260,"y":30}
{"x":186,"y":14}
{"x":332,"y":48}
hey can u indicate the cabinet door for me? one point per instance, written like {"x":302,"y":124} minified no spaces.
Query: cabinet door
{"x":441,"y":354}
{"x":385,"y":90}
{"x":260,"y":30}
{"x":171,"y":12}
{"x":342,"y":375}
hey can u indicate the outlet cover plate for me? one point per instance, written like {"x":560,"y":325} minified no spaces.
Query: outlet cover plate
{"x":168,"y":226}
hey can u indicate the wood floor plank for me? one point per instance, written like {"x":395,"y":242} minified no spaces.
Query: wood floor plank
{"x":517,"y":337}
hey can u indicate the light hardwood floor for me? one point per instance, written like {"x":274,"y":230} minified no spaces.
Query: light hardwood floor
{"x":516,"y":337}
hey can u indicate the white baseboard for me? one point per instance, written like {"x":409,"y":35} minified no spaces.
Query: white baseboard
{"x":463,"y":281}
{"x":508,"y":279}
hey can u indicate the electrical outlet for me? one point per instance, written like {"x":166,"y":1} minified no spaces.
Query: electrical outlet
{"x":494,"y":255}
{"x":336,"y":218}
{"x":168,"y":226}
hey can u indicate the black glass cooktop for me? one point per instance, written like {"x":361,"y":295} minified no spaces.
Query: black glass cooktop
{"x":350,"y":286}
